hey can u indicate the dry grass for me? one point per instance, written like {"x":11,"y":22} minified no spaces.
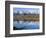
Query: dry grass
{"x":27,"y":18}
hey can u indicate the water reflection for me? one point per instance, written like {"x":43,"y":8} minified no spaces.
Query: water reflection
{"x":19,"y":25}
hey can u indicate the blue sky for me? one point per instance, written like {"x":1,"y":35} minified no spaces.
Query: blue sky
{"x":26,"y":9}
{"x":31,"y":10}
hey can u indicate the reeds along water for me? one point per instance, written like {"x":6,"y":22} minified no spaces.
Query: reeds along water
{"x":32,"y":17}
{"x":26,"y":21}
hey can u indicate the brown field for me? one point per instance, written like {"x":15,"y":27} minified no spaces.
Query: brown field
{"x":27,"y":18}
